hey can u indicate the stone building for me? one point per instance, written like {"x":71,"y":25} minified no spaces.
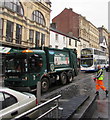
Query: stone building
{"x":103,"y":39}
{"x":109,"y":16}
{"x":109,"y":46}
{"x":93,"y":36}
{"x":76,"y":25}
{"x":24,"y":24}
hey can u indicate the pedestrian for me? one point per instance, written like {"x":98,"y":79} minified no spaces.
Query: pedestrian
{"x":99,"y":81}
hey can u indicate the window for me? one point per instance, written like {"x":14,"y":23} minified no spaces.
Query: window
{"x":35,"y":63}
{"x":69,"y":41}
{"x":14,"y":5}
{"x":1,"y":27}
{"x":96,"y":52}
{"x":86,"y":51}
{"x":56,"y":37}
{"x":31,"y":36}
{"x":15,"y":64}
{"x":6,"y":100}
{"x":1,"y":4}
{"x":87,"y":62}
{"x":9,"y":31}
{"x":64,"y":41}
{"x":50,"y":46}
{"x":37,"y":39}
{"x":18,"y":33}
{"x":75,"y":43}
{"x":42,"y":39}
{"x":56,"y":46}
{"x":38,"y":17}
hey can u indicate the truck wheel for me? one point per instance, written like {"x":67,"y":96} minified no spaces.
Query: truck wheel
{"x":70,"y":76}
{"x":63,"y":78}
{"x":44,"y":84}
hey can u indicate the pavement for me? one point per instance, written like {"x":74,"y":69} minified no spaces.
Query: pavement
{"x":102,"y":102}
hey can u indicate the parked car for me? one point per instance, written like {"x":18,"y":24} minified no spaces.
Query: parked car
{"x":13,"y":103}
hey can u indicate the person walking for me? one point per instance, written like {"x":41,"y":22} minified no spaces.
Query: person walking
{"x":99,"y":81}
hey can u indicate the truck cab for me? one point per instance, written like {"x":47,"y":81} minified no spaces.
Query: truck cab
{"x":24,"y":69}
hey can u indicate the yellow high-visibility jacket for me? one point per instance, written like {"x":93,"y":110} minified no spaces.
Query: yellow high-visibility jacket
{"x":100,"y":75}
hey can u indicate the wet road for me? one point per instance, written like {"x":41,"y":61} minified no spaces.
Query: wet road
{"x":83,"y":84}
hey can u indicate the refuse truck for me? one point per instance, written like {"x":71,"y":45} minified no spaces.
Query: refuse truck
{"x":24,"y":68}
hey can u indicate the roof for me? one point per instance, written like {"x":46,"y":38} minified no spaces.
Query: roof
{"x":59,"y":32}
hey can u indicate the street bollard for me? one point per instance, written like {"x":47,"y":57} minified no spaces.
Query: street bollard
{"x":38,"y":92}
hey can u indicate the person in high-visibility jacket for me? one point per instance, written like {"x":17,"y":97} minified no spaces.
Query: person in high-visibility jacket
{"x":99,"y":81}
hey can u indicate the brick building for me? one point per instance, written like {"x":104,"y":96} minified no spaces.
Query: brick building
{"x":76,"y":25}
{"x":67,"y":22}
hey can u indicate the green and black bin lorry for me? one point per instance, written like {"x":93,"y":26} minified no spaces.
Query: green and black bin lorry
{"x":24,"y":68}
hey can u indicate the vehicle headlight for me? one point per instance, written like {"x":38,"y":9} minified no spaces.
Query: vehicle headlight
{"x":25,"y":78}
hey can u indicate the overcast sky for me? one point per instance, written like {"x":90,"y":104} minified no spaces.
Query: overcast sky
{"x":95,"y":11}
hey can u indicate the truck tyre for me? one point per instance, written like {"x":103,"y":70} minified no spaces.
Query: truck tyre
{"x":44,"y":85}
{"x":63,"y":78}
{"x":70,"y":76}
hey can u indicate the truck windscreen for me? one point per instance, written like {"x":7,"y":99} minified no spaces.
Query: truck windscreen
{"x":23,"y":64}
{"x":15,"y":64}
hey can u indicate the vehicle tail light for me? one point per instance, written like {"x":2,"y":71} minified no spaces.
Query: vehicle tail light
{"x":36,"y":101}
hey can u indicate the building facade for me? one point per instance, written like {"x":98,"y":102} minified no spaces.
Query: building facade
{"x":109,"y":16}
{"x":103,"y":40}
{"x":60,"y":40}
{"x":84,"y":32}
{"x":57,"y":39}
{"x":93,"y":36}
{"x":74,"y":24}
{"x":24,"y":24}
{"x":67,"y":22}
{"x":109,"y":46}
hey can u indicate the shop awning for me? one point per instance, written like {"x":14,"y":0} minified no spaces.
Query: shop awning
{"x":4,"y":49}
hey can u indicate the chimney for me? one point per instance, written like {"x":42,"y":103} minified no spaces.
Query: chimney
{"x":71,"y":9}
{"x":53,"y":25}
